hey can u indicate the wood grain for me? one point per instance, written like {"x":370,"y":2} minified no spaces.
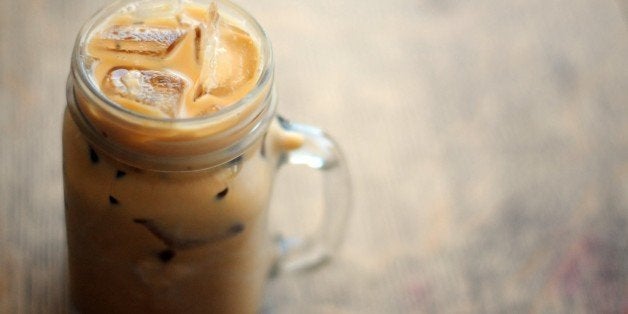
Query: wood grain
{"x":488,"y":142}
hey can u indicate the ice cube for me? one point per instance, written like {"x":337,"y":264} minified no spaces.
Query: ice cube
{"x":206,"y":33}
{"x":229,"y":57}
{"x":207,"y":47}
{"x":160,"y":90}
{"x":140,"y":39}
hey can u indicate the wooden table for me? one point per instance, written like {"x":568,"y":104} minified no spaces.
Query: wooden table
{"x":488,"y":142}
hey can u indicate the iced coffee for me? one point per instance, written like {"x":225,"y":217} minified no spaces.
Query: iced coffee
{"x":156,"y":232}
{"x":170,"y":147}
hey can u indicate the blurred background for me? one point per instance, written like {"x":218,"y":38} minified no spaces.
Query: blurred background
{"x":487,"y":140}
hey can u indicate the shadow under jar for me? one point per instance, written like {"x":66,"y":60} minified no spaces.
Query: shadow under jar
{"x":169,"y":215}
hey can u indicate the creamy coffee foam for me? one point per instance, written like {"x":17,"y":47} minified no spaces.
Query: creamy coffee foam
{"x":173,"y":61}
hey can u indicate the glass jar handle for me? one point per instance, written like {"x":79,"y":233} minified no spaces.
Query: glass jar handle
{"x":318,"y":151}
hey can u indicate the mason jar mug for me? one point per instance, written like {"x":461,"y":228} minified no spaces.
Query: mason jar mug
{"x":171,"y":215}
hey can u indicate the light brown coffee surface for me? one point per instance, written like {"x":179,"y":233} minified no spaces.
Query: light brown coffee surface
{"x":174,"y":62}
